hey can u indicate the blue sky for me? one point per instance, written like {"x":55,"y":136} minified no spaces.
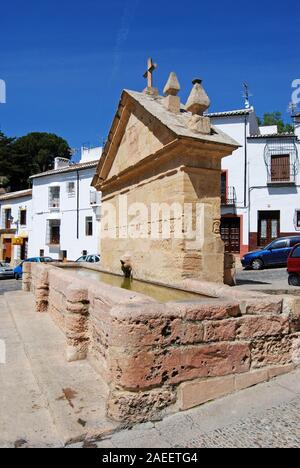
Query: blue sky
{"x":65,"y":62}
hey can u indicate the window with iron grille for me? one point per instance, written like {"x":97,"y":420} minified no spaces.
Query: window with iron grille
{"x":23,"y":217}
{"x":7,"y":218}
{"x":89,"y":226}
{"x":53,"y":232}
{"x":297,"y":220}
{"x":281,"y":159}
{"x":94,"y":197}
{"x":71,"y":189}
{"x":54,"y":197}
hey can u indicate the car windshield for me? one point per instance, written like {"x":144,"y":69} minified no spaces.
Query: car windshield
{"x":277,"y":244}
{"x":4,"y":265}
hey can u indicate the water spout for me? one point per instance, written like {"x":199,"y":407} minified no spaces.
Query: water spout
{"x":126,"y":266}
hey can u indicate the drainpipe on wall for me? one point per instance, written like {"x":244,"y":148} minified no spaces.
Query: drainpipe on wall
{"x":245,"y":163}
{"x":77,"y":204}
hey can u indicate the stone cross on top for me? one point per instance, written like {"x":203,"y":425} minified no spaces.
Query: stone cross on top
{"x":148,"y":74}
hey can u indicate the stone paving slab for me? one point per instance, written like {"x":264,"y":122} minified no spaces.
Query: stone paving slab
{"x":74,"y":393}
{"x":24,"y":414}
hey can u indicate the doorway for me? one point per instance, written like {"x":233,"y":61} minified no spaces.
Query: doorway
{"x":7,"y":250}
{"x":268,"y":227}
{"x":230,"y":233}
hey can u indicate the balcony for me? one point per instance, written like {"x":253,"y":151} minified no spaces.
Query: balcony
{"x":228,"y":198}
{"x":95,"y":198}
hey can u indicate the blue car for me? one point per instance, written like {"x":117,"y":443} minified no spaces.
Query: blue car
{"x":274,"y":254}
{"x":18,"y":270}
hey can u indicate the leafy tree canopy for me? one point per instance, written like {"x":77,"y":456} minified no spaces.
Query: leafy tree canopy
{"x":275,"y":118}
{"x":22,"y":157}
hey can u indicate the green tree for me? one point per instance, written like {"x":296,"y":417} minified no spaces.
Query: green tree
{"x":6,"y":151}
{"x":40,"y":150}
{"x":20,"y":158}
{"x":275,"y":118}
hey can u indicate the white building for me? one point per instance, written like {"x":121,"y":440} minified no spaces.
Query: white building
{"x":66,"y":209}
{"x":15,"y":225}
{"x":260,"y":182}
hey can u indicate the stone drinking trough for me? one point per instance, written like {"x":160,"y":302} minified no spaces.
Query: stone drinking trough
{"x":160,"y":357}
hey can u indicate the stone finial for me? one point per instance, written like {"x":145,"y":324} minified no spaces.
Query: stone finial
{"x":172,"y":101}
{"x":199,"y":124}
{"x":198,"y":101}
{"x":172,"y":87}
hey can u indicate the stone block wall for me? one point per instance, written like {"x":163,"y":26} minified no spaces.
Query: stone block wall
{"x":65,"y":299}
{"x":185,"y":355}
{"x":160,"y":358}
{"x":166,"y":258}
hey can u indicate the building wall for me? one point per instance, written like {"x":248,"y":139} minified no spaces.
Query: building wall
{"x":17,"y":230}
{"x":259,"y":195}
{"x":283,"y":197}
{"x":67,"y":214}
{"x":234,"y":165}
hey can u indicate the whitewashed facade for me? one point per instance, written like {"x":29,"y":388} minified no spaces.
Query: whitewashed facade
{"x":66,"y":210}
{"x":15,"y":225}
{"x":260,"y":182}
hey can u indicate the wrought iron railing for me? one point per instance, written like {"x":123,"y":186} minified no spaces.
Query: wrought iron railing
{"x":228,"y":198}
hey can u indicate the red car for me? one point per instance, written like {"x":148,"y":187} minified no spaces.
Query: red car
{"x":294,"y":266}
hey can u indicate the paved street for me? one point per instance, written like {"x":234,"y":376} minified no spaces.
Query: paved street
{"x":266,"y":276}
{"x":271,"y":279}
{"x":9,"y":285}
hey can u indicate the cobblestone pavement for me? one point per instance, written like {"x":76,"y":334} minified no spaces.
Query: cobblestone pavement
{"x":276,"y":428}
{"x":264,"y":416}
{"x":9,"y":285}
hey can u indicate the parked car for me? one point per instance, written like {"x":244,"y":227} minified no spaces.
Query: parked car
{"x":89,"y":259}
{"x":6,"y":271}
{"x":18,"y":271}
{"x":274,"y":254}
{"x":294,"y":266}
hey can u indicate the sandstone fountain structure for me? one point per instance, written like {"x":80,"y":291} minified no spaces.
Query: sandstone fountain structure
{"x":163,"y":158}
{"x":160,"y":349}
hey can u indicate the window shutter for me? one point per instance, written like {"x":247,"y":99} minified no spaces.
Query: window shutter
{"x":280,"y":168}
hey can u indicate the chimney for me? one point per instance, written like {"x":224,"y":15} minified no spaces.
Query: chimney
{"x":297,"y":125}
{"x":59,"y":163}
